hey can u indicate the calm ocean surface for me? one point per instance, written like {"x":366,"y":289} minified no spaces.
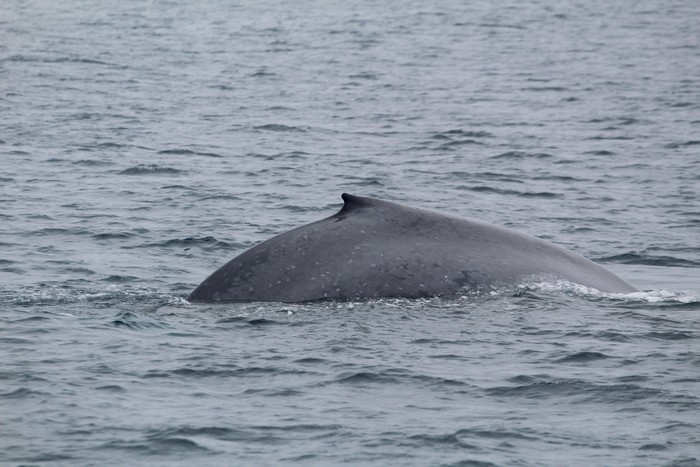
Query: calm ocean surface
{"x":145,"y":143}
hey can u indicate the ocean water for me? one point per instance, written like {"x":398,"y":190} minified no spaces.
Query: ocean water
{"x":145,"y":143}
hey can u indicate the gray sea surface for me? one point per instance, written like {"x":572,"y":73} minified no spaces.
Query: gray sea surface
{"x":145,"y":143}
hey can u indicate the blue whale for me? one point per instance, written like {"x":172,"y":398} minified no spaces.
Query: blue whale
{"x":373,"y":248}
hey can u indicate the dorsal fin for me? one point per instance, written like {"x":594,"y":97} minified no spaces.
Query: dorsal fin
{"x":353,"y":203}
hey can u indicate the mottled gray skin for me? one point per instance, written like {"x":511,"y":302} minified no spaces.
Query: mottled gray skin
{"x":374,"y":248}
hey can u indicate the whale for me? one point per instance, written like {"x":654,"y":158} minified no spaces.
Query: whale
{"x":379,"y":249}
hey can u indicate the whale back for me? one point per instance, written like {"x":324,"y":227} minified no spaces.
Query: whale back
{"x":373,"y":248}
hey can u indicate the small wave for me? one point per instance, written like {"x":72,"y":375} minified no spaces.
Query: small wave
{"x":250,"y":321}
{"x":670,"y":335}
{"x":219,"y":197}
{"x":650,"y":296}
{"x":134,"y":321}
{"x":157,"y":446}
{"x":545,"y":88}
{"x":682,"y":104}
{"x":650,"y":260}
{"x":583,"y":357}
{"x":189,"y":242}
{"x":260,"y":433}
{"x":112,"y":236}
{"x":516,"y":155}
{"x":120,"y":278}
{"x":177,"y":152}
{"x":176,"y":187}
{"x":222,"y":371}
{"x":655,"y":446}
{"x":601,"y":335}
{"x":34,"y":58}
{"x":500,"y":25}
{"x":364,"y":75}
{"x":274,"y":392}
{"x":21,"y":393}
{"x":462,"y":133}
{"x":187,"y":152}
{"x":432,"y":441}
{"x":52,"y":294}
{"x":683,"y":144}
{"x":466,"y":439}
{"x":521,"y":194}
{"x":263,"y":74}
{"x":113,"y":388}
{"x":662,"y":296}
{"x":278,"y":127}
{"x":262,"y":322}
{"x":609,"y":138}
{"x":31,"y":319}
{"x":49,"y":458}
{"x":59,"y":231}
{"x":14,"y":340}
{"x":456,"y":138}
{"x":212,"y":432}
{"x":92,"y":163}
{"x":460,"y":142}
{"x":365,"y":377}
{"x":143,"y":169}
{"x":586,"y":391}
{"x":311,"y":360}
{"x":396,"y":376}
{"x":481,"y":176}
{"x":365,"y":182}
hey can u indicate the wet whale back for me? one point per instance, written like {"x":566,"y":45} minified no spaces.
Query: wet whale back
{"x":373,"y":248}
